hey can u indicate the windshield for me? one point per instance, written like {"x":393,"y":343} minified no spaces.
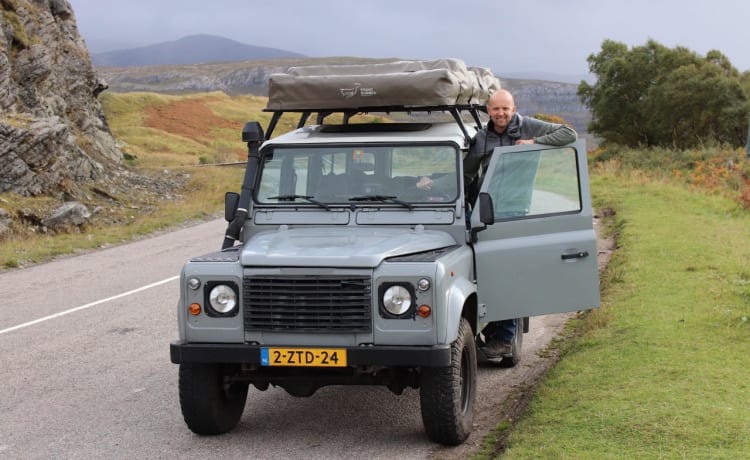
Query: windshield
{"x":359,"y":174}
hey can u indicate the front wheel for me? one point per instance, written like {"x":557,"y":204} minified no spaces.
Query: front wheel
{"x":447,"y":394}
{"x":211,"y":404}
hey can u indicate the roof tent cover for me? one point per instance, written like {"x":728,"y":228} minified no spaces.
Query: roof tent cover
{"x":407,"y":84}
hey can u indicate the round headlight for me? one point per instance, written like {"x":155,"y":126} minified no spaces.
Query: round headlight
{"x":222,"y":298}
{"x":397,"y":300}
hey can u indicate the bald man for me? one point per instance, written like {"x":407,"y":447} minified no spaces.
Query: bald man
{"x":506,"y":127}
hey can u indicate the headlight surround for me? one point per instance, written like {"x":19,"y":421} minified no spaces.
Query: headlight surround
{"x":222,"y":299}
{"x":397,"y":300}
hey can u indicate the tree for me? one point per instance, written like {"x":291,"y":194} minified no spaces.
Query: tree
{"x":652,"y":95}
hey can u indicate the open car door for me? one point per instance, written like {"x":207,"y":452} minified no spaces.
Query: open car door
{"x":536,"y":250}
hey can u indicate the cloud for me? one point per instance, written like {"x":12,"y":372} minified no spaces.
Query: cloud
{"x":532,"y":35}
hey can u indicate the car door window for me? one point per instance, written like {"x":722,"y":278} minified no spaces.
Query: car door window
{"x":529,"y":183}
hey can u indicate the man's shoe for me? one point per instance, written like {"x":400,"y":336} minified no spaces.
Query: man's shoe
{"x":497,"y":349}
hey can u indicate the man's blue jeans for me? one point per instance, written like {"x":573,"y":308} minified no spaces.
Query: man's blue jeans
{"x":500,"y":330}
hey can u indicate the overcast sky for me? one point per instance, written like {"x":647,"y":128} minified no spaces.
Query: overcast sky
{"x":536,"y":36}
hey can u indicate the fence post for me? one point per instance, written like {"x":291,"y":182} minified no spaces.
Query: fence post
{"x":747,"y":145}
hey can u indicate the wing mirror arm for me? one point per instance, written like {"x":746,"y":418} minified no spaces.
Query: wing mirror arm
{"x":486,"y":214}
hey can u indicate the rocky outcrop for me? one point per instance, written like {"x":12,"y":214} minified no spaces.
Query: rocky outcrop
{"x":53,"y":135}
{"x":231,"y":78}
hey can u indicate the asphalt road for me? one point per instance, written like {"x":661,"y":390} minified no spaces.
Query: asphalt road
{"x":85,"y":372}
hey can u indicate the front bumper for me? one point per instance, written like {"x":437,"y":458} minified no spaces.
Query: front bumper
{"x":391,"y":356}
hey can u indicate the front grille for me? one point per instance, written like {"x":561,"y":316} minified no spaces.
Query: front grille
{"x":307,"y":303}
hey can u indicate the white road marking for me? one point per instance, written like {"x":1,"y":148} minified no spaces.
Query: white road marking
{"x":88,"y":305}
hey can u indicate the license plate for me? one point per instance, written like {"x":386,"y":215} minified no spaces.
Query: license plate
{"x":312,"y":357}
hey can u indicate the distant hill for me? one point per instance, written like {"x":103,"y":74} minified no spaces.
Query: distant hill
{"x":194,"y":49}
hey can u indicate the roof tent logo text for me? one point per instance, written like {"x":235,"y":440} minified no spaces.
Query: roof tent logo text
{"x":357,"y":89}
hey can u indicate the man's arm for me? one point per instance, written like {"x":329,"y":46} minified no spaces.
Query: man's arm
{"x":543,"y":132}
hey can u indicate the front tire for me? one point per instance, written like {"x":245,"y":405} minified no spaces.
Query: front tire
{"x":210,"y":403}
{"x":447,"y":394}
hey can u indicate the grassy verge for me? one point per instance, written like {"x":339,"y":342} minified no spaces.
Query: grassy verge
{"x":661,"y":369}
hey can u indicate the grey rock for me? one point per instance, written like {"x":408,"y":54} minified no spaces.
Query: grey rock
{"x":60,"y":8}
{"x":69,"y":215}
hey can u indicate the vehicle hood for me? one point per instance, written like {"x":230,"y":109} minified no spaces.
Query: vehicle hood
{"x":338,"y":246}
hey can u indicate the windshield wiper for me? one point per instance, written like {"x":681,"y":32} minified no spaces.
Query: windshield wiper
{"x":386,"y":198}
{"x":307,"y":198}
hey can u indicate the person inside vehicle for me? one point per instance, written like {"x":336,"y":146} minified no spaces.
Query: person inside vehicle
{"x":506,"y":127}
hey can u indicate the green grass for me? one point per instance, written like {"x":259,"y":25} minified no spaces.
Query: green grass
{"x":662,"y":369}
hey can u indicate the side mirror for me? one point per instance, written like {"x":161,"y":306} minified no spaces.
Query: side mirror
{"x":486,"y":209}
{"x":231,"y":201}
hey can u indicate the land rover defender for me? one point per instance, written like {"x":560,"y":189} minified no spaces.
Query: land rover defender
{"x":336,"y":269}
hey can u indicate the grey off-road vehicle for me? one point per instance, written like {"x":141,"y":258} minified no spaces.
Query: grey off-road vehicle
{"x":337,"y":269}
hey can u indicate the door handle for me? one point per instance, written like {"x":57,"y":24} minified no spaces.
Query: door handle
{"x":575,"y":255}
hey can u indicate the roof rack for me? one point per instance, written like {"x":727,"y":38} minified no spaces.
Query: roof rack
{"x":444,"y":85}
{"x":454,"y":110}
